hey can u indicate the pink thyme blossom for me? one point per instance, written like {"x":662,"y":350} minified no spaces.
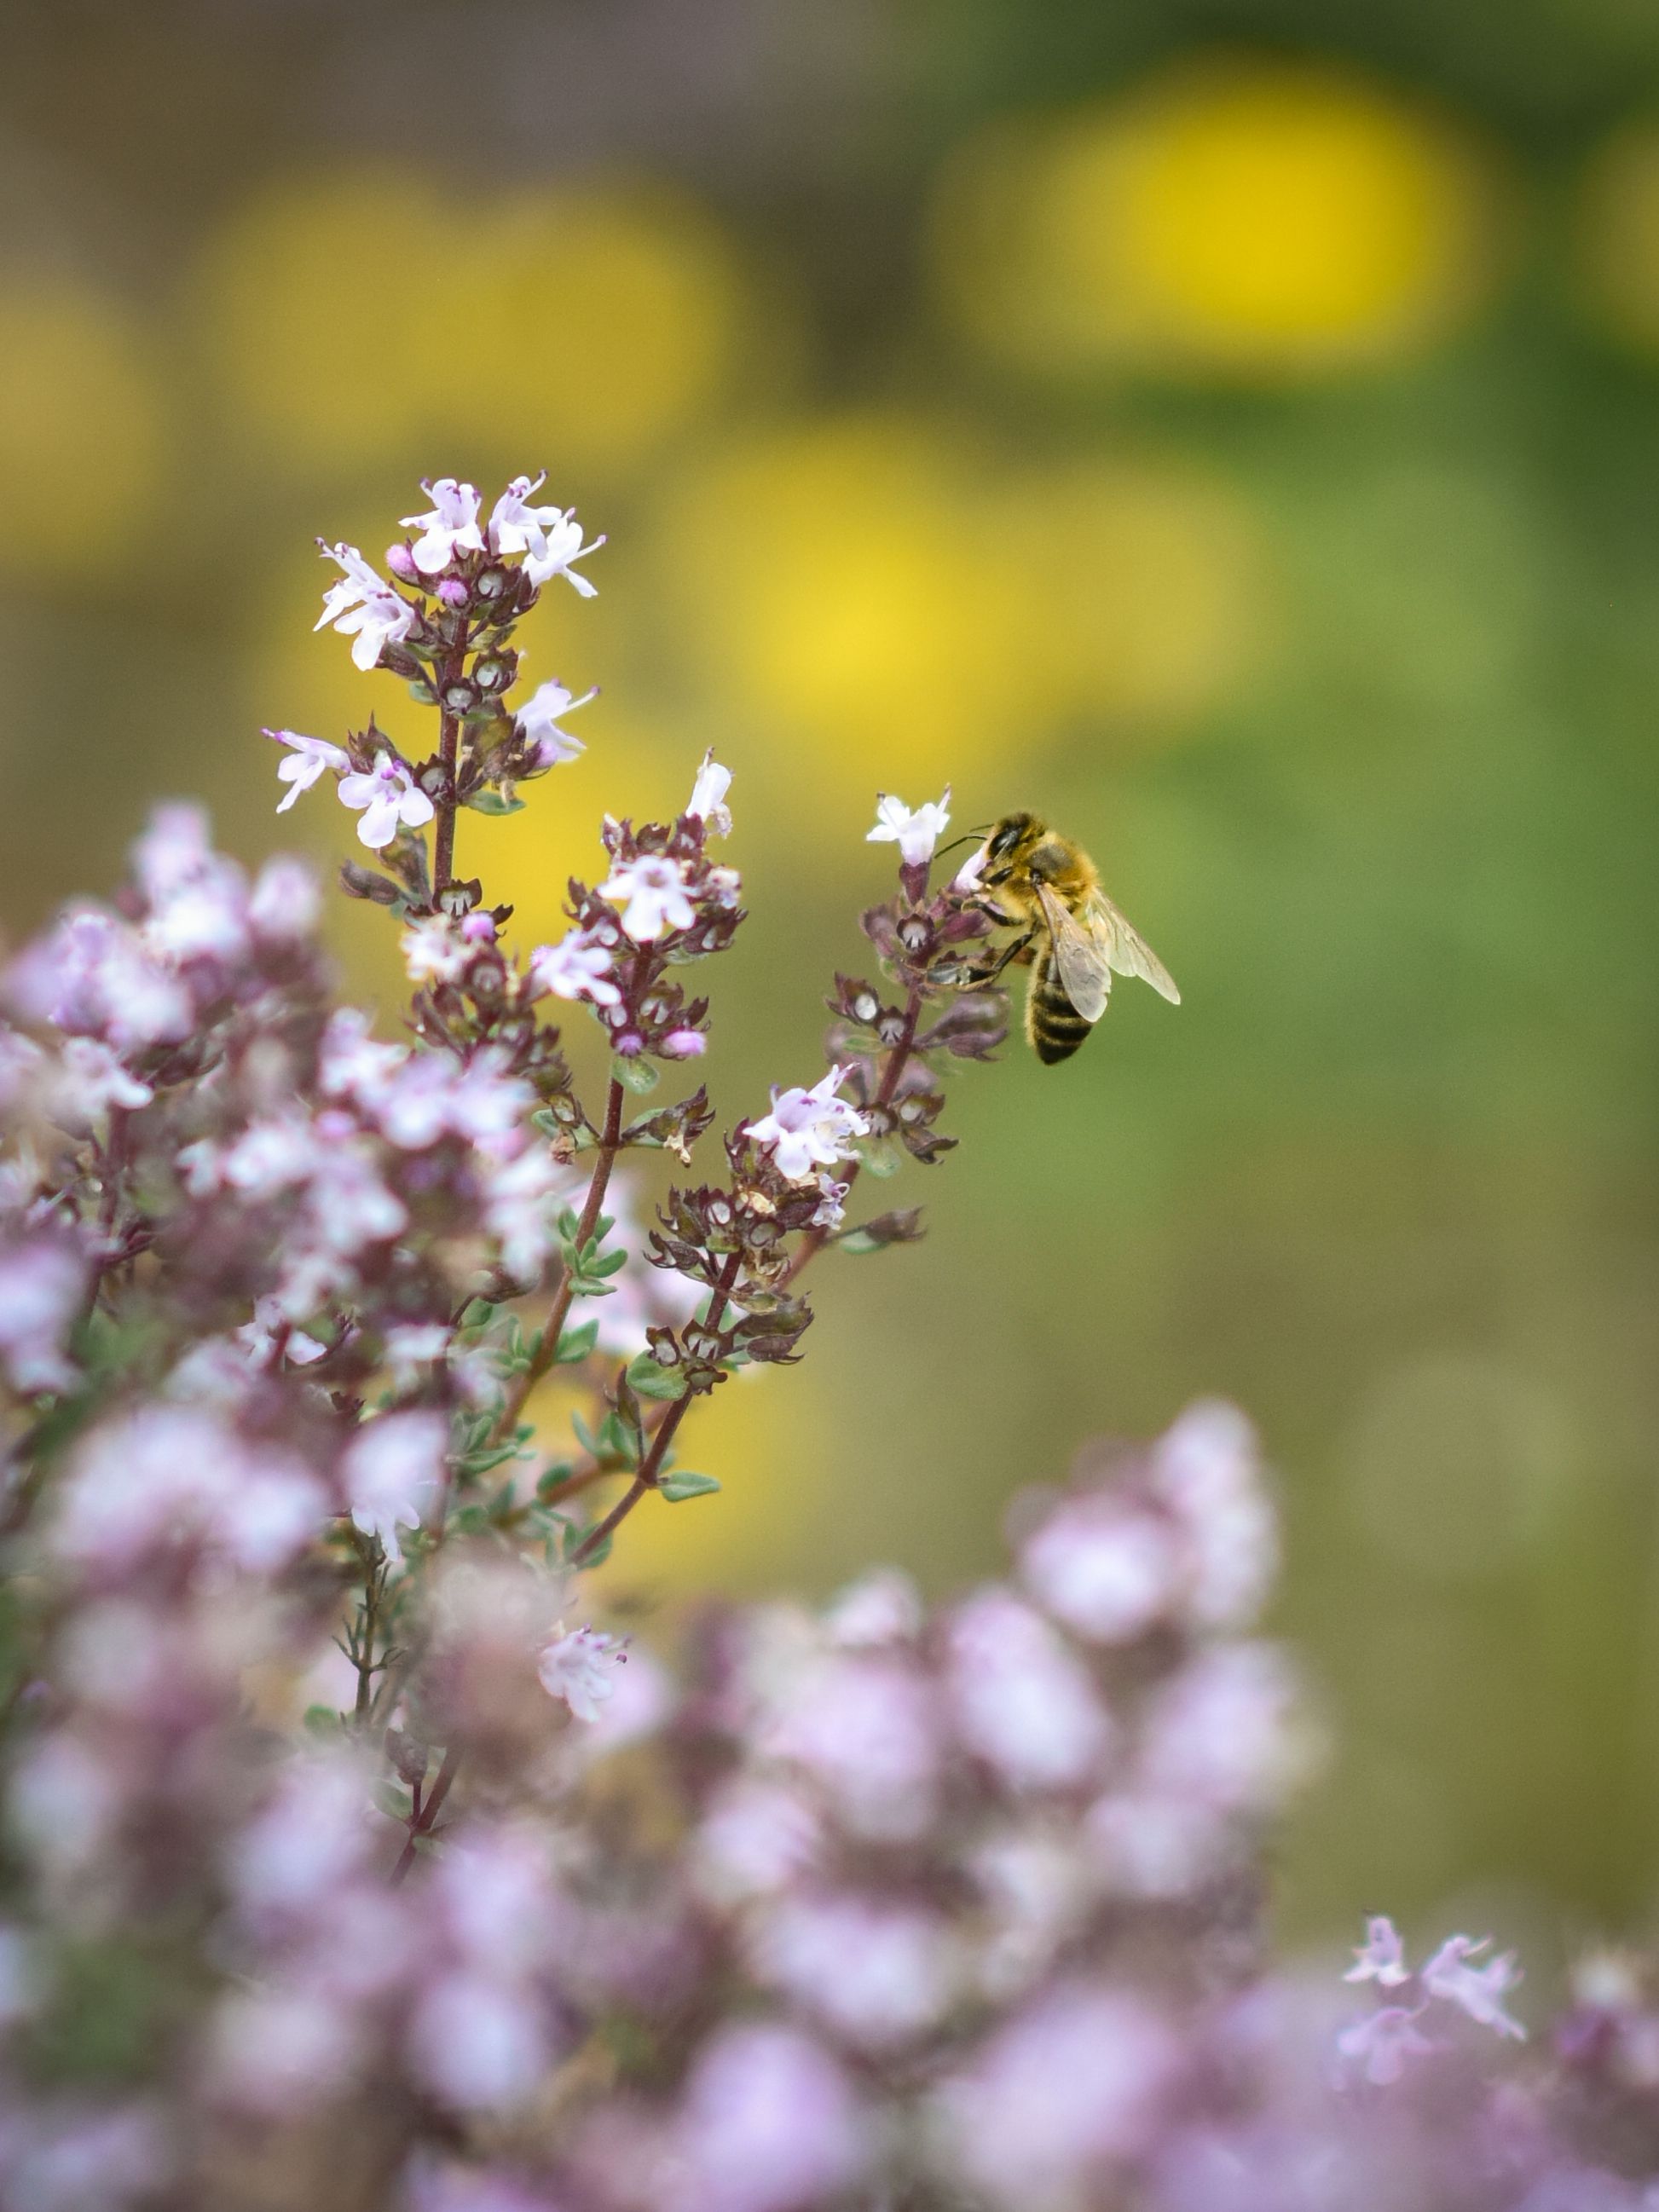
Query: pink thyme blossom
{"x":881,"y":1607}
{"x":1384,"y":2042}
{"x":451,"y":525}
{"x":309,"y":760}
{"x":1381,"y":1957}
{"x":163,"y":1478}
{"x":756,"y":1838}
{"x":363,"y":603}
{"x":1207,"y":1468}
{"x":1149,"y":1843}
{"x":876,"y":1973}
{"x":538,"y":722}
{"x":1105,"y":1569}
{"x":392,"y":1473}
{"x":1025,"y":1703}
{"x":916,"y":833}
{"x":652,"y":895}
{"x":866,"y":1729}
{"x":1041,"y":2115}
{"x":43,"y":1286}
{"x":90,"y":1078}
{"x":548,"y":537}
{"x":575,"y":967}
{"x":522,"y":1195}
{"x":285,"y":903}
{"x":198,"y":899}
{"x":809,"y":1129}
{"x":1478,"y":1990}
{"x":1229,"y":1731}
{"x":388,"y":800}
{"x":578,"y":1665}
{"x":92,"y":976}
{"x":707,"y":799}
{"x":768,"y":2123}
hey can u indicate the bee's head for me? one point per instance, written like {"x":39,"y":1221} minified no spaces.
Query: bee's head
{"x":1009,"y":838}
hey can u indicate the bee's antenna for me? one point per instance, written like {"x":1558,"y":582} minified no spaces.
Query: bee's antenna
{"x":968,"y":837}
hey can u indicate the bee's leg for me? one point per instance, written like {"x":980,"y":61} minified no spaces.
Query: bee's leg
{"x":1021,"y":948}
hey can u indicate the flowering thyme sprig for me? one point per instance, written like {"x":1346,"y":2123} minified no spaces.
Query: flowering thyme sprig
{"x":466,"y":584}
{"x":748,"y":1240}
{"x":892,"y":1041}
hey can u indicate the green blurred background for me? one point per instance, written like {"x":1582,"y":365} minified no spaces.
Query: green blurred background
{"x":1231,"y":428}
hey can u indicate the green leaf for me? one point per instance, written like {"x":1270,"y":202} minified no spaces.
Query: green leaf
{"x":653,"y":1380}
{"x":576,"y":1343}
{"x":493,"y":802}
{"x":606,"y":1263}
{"x":880,"y":1157}
{"x":677,"y":1487}
{"x":559,"y":1471}
{"x":479,"y":1463}
{"x":636,"y":1075}
{"x":323,"y":1721}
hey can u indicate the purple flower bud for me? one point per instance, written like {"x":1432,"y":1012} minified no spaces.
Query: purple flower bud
{"x":401,"y":562}
{"x":684,"y":1044}
{"x":629,"y":1045}
{"x":452,"y":591}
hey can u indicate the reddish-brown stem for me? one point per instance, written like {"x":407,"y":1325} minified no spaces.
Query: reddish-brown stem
{"x":548,"y":1350}
{"x":423,"y":1820}
{"x":449,"y":750}
{"x":897,"y":1059}
{"x":650,"y":1466}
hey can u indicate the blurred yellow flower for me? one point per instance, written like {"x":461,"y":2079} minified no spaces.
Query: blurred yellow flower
{"x":1617,"y":233}
{"x":1252,"y":221}
{"x":81,"y":405}
{"x":844,"y":584}
{"x":887,"y":607}
{"x":577,"y":327}
{"x":327,"y":346}
{"x":614,"y":318}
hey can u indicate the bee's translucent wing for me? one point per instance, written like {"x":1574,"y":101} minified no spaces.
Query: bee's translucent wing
{"x":1082,"y":956}
{"x":1127,"y":950}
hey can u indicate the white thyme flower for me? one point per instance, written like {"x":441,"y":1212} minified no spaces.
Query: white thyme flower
{"x":707,"y":799}
{"x":363,"y":603}
{"x":966,"y":878}
{"x":809,"y":1129}
{"x":388,"y":798}
{"x":579,"y":1665}
{"x":538,"y":721}
{"x":575,"y":967}
{"x":452,"y":524}
{"x":392,"y":1473}
{"x":549,"y":539}
{"x":651,"y":893}
{"x":916,"y":833}
{"x":434,"y":951}
{"x":308,"y":760}
{"x":832,"y":1208}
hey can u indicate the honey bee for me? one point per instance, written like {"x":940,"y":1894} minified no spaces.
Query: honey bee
{"x":1046,"y":886}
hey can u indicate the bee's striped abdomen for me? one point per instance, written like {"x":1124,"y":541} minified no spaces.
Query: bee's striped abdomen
{"x":1053,"y":1027}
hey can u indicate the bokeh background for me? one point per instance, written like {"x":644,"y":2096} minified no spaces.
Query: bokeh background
{"x":1230,"y":426}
